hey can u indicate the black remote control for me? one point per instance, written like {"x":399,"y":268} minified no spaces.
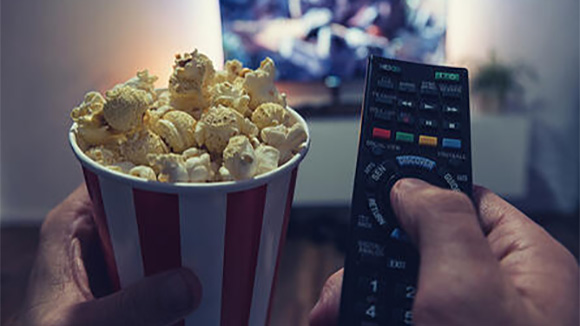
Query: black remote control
{"x":415,"y":123}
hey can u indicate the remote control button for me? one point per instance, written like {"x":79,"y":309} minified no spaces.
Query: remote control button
{"x":425,"y":106}
{"x":429,"y":88}
{"x":450,"y":181}
{"x":450,"y":109}
{"x":376,"y":148}
{"x":399,"y":235}
{"x":428,"y":123}
{"x":403,"y":317}
{"x":406,"y":118}
{"x":408,"y":87}
{"x":450,"y":90}
{"x":371,"y":285}
{"x":397,"y":264}
{"x":462,"y":178}
{"x":381,"y":133}
{"x":371,"y":312}
{"x":406,"y":104}
{"x":448,"y":125}
{"x":405,"y":291}
{"x":404,"y":137}
{"x":386,"y":83}
{"x":416,"y":162}
{"x":427,"y":141}
{"x":382,"y":114}
{"x":376,"y":211}
{"x":451,"y":143}
{"x":390,"y":68}
{"x":371,"y":252}
{"x":364,"y":222}
{"x":384,"y":98}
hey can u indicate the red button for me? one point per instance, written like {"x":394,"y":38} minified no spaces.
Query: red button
{"x":381,"y":133}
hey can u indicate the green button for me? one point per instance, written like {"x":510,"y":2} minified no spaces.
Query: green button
{"x":405,"y":136}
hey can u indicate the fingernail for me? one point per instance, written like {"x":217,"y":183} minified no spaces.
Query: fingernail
{"x":179,"y":295}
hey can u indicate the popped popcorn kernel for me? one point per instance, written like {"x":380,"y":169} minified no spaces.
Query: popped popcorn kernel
{"x":207,"y":126}
{"x":125,"y":107}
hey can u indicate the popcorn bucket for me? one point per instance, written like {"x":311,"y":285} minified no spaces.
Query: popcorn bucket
{"x":229,"y":233}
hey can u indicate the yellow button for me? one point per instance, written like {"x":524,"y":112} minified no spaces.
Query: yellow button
{"x":427,"y":140}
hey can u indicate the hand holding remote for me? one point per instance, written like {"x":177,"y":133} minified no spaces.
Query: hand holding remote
{"x":514,"y":273}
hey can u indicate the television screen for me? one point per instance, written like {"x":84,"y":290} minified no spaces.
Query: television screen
{"x":313,"y":39}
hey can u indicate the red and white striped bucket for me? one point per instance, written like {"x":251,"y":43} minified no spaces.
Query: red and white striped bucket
{"x":229,"y":233}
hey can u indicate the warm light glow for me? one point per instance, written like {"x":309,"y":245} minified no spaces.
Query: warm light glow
{"x":111,"y":40}
{"x":469,"y":35}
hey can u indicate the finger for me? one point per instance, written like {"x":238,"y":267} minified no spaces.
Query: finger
{"x":509,"y":230}
{"x":57,"y":260}
{"x":73,"y":215}
{"x":455,"y":257}
{"x":442,"y":223}
{"x":155,"y":301}
{"x":539,"y":265}
{"x":325,"y":312}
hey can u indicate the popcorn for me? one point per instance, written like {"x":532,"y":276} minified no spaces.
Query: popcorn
{"x":285,"y":139}
{"x":193,"y":152}
{"x":144,"y":82}
{"x":218,"y":125}
{"x":224,"y":174}
{"x":270,"y":114}
{"x":267,"y":158}
{"x":102,"y":155}
{"x":199,"y":168}
{"x":259,"y":84}
{"x":163,"y":98}
{"x":140,"y":144}
{"x":171,"y":167}
{"x":125,"y":107}
{"x":123,"y":167}
{"x":176,"y":128}
{"x":143,"y":171}
{"x":227,"y":95}
{"x":91,"y":125}
{"x":239,"y":158}
{"x":233,"y":70}
{"x":207,"y":126}
{"x":189,"y":84}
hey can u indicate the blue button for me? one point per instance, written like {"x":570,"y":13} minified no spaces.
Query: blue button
{"x":451,"y":143}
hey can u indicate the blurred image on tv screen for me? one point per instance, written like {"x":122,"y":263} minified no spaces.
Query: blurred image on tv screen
{"x":312,"y":39}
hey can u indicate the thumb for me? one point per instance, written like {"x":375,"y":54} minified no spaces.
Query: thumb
{"x":158,"y":300}
{"x":444,"y":226}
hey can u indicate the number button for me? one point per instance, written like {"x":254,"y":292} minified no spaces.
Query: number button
{"x":408,"y":317}
{"x":402,"y":317}
{"x":371,"y":311}
{"x":405,"y":291}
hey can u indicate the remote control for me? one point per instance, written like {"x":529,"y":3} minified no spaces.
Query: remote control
{"x":415,"y":123}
